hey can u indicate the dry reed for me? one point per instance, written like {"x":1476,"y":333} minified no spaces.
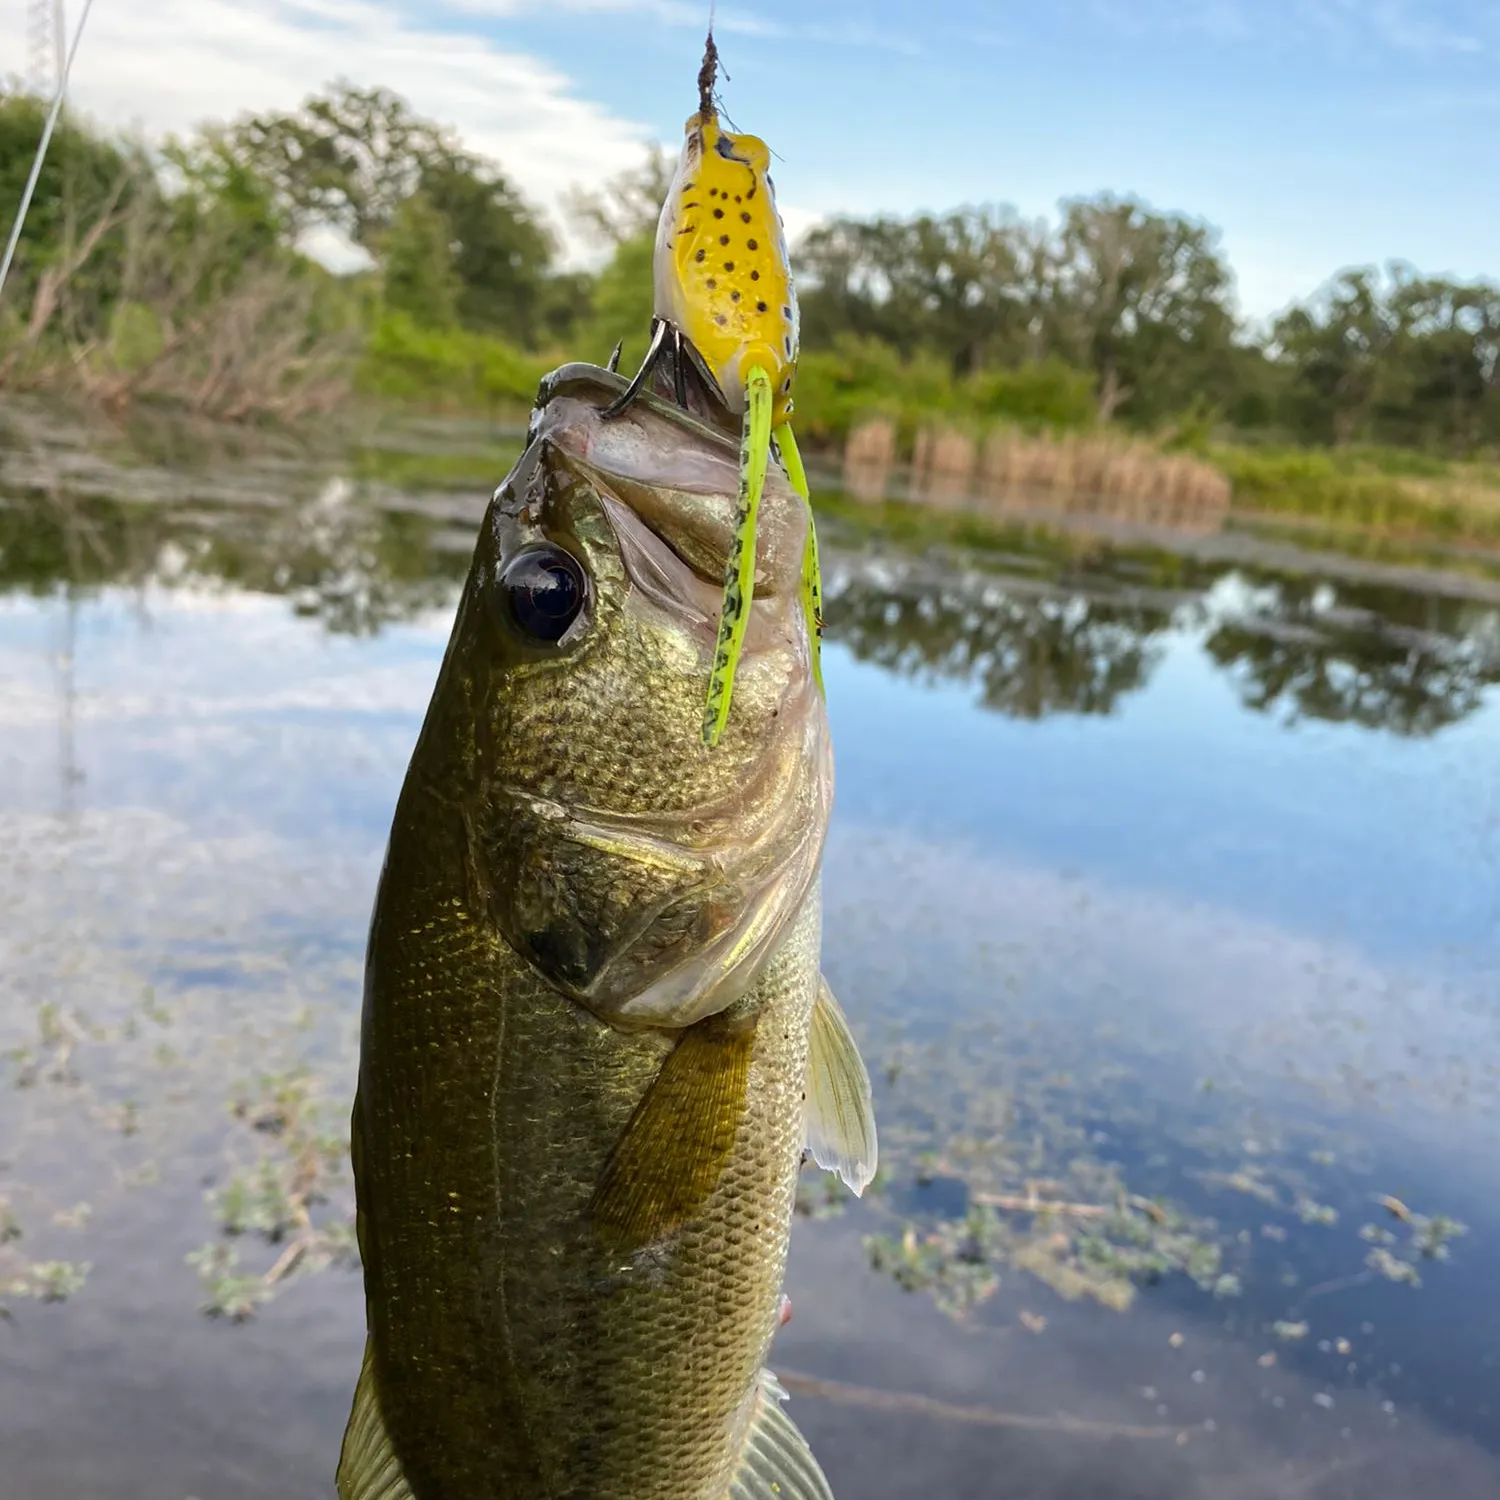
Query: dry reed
{"x":1012,"y":473}
{"x":188,"y":325}
{"x":869,"y":456}
{"x":943,"y":465}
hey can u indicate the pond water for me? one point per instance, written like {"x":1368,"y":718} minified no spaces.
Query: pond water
{"x":1161,"y":888}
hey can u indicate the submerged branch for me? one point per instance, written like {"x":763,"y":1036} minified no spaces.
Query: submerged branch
{"x":977,"y":1416}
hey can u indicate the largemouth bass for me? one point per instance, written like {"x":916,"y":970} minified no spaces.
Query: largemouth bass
{"x":595,"y":1039}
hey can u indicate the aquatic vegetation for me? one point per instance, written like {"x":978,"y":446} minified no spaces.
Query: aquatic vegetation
{"x":225,"y":1294}
{"x":41,"y":1280}
{"x":294,"y":1195}
{"x":1367,"y":491}
{"x":50,"y":1280}
{"x":1311,"y":1212}
{"x":953,"y":1262}
{"x":1392,"y":1267}
{"x":824,"y":1196}
{"x":1100,"y":1251}
{"x":1428,"y":1238}
{"x":59,"y":1032}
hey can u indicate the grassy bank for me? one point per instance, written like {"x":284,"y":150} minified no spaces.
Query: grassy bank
{"x":1388,"y":492}
{"x":1033,"y":426}
{"x":447,"y":370}
{"x":1384,"y":492}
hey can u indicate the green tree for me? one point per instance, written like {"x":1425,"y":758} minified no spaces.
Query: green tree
{"x":418,"y":273}
{"x":501,"y":251}
{"x":1336,"y":345}
{"x":81,"y":172}
{"x":629,"y":204}
{"x":1143,"y":300}
{"x":1400,"y":358}
{"x":615,"y":305}
{"x":963,"y":285}
{"x":622,"y":301}
{"x":73,"y":235}
{"x":348,"y":157}
{"x":353,"y":157}
{"x":1447,"y":358}
{"x":218,"y":195}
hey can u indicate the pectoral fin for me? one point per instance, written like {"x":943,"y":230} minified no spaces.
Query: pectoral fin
{"x":673,"y":1151}
{"x":368,"y":1466}
{"x":840,"y":1111}
{"x":739,"y":572}
{"x":777,"y":1464}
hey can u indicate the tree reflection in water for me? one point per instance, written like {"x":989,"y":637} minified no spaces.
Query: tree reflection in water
{"x":1385,"y":658}
{"x":1030,"y":655}
{"x":1398,"y":659}
{"x":1041,"y":634}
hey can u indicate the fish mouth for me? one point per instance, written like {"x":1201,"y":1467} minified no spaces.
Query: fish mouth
{"x":730,"y":869}
{"x":670,"y":485}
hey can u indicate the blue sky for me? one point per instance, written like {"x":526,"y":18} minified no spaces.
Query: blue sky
{"x":1314,"y":133}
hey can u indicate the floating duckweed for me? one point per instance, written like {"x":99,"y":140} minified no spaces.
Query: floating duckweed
{"x":1311,"y":1212}
{"x":823,"y":1196}
{"x":1430,"y":1236}
{"x":1392,"y":1267}
{"x":52,"y":1280}
{"x":226,"y":1295}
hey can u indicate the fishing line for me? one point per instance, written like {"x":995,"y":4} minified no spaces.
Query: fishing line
{"x":41,"y":150}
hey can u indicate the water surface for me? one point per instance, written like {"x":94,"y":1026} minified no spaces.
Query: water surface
{"x":1161,"y":886}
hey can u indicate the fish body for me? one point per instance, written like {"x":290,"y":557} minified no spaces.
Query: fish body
{"x":595,"y":1039}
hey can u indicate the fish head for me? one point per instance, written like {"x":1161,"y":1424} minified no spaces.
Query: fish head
{"x":638,"y":872}
{"x":721,"y":269}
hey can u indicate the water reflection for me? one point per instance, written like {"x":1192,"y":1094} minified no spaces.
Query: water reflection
{"x":340,"y":559}
{"x":1059,"y":942}
{"x":1376,"y":656}
{"x":1062,"y":636}
{"x":1030,"y":653}
{"x":1398,"y":660}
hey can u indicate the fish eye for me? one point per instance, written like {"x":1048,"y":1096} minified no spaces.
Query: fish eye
{"x":544,"y":589}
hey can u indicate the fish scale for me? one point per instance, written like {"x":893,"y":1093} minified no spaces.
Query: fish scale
{"x":629,"y":1421}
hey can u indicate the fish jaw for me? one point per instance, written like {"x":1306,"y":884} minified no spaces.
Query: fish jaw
{"x":643,"y":876}
{"x":683,"y":488}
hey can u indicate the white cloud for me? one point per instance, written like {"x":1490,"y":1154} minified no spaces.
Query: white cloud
{"x":168,"y":65}
{"x":1347,"y":29}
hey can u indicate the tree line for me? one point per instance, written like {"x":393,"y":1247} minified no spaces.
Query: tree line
{"x":130,"y":249}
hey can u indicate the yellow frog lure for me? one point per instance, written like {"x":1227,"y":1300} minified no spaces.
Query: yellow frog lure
{"x":723,"y":286}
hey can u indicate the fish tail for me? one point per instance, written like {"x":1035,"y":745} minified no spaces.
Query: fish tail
{"x":739,"y":572}
{"x":812,"y":574}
